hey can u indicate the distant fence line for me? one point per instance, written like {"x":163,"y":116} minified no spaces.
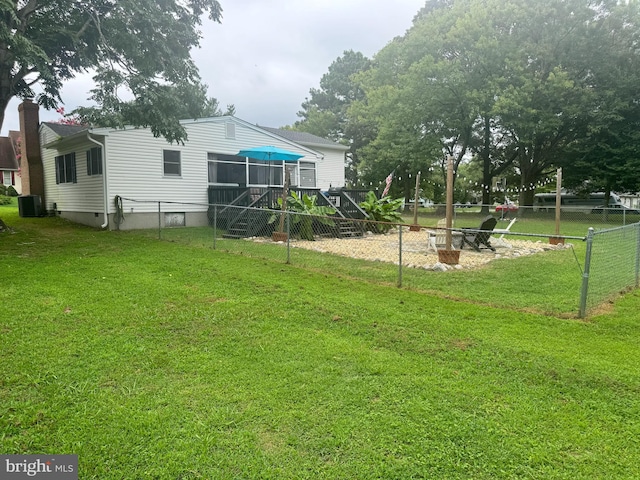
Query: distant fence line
{"x":611,"y":263}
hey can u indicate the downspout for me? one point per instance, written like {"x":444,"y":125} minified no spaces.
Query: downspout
{"x":104,"y":179}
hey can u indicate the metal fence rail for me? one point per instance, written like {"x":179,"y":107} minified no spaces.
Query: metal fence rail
{"x":611,"y":264}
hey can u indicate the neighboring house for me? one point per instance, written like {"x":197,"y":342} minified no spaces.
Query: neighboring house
{"x":86,"y":168}
{"x":9,"y":163}
{"x":631,"y":200}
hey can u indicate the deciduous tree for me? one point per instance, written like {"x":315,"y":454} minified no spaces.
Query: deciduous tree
{"x":324,"y":113}
{"x":136,"y":49}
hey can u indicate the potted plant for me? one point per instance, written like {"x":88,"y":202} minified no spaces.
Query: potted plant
{"x":450,"y":257}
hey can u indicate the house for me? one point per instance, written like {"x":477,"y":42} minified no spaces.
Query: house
{"x":9,"y":161}
{"x":631,"y":200}
{"x":86,"y":169}
{"x":334,"y":153}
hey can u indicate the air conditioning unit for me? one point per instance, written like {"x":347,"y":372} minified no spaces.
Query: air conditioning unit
{"x":29,"y":206}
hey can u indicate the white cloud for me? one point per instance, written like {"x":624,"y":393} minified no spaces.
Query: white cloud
{"x":266,"y":55}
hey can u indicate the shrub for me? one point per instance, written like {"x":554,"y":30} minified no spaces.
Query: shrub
{"x":3,"y":189}
{"x":306,"y":204}
{"x":11,"y":192}
{"x":4,"y":200}
{"x":382,"y":210}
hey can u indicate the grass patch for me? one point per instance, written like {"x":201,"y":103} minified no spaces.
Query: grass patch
{"x":547,"y":283}
{"x":165,"y":360}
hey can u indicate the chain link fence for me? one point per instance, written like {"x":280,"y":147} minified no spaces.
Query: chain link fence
{"x":573,"y":220}
{"x":397,"y":253}
{"x":612,"y":265}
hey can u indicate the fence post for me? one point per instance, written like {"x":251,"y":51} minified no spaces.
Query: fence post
{"x":288,"y":237}
{"x":585,"y":275}
{"x":400,"y":253}
{"x":159,"y":223}
{"x":215,"y":225}
{"x":638,"y":256}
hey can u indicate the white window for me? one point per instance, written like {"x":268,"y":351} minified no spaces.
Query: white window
{"x":66,"y":168}
{"x":171,"y":160}
{"x":308,"y":174}
{"x":94,"y":161}
{"x":6,"y":178}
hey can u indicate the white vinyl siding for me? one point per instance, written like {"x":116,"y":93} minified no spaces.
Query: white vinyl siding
{"x":330,"y":170}
{"x":84,"y":196}
{"x":135,"y":167}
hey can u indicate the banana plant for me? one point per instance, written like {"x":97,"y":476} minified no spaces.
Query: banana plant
{"x":311,"y":210}
{"x":382,"y":210}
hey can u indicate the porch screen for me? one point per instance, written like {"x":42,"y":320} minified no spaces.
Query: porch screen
{"x":226,"y":169}
{"x":308,"y":174}
{"x":293,"y":174}
{"x":265,"y":173}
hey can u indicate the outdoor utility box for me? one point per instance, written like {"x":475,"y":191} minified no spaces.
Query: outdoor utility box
{"x":29,"y":205}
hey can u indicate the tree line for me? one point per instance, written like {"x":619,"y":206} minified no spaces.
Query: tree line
{"x":510,"y":88}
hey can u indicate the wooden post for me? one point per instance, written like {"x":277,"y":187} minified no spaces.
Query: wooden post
{"x":415,"y":227}
{"x":558,"y":199}
{"x":285,"y":193}
{"x":449,"y":210}
{"x":281,"y":235}
{"x":558,"y":239}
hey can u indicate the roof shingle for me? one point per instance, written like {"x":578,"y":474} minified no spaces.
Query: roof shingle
{"x":8,"y":159}
{"x":302,"y":138}
{"x":65,"y":130}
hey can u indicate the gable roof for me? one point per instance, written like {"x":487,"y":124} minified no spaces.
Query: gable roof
{"x":308,"y":146}
{"x":65,"y":130}
{"x":8,"y":159}
{"x":304,"y":138}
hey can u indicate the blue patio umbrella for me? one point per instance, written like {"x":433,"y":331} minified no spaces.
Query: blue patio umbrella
{"x":270,"y":153}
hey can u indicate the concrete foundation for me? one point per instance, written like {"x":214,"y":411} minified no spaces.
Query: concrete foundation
{"x":135,"y":221}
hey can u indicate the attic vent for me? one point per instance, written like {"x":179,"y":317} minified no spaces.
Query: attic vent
{"x":231,"y":130}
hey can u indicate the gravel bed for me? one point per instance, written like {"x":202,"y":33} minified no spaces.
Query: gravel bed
{"x":415,"y":252}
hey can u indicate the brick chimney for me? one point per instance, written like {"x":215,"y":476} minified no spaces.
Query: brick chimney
{"x":31,"y":163}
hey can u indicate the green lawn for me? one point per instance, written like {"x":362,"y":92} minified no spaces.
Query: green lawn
{"x":163,"y":360}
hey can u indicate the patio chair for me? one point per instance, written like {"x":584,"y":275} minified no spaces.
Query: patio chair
{"x":500,"y":241}
{"x":474,"y":237}
{"x":437,"y":239}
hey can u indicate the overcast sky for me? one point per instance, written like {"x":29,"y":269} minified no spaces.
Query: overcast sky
{"x":267,"y":54}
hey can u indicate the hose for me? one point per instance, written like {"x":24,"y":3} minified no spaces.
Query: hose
{"x":118,"y":216}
